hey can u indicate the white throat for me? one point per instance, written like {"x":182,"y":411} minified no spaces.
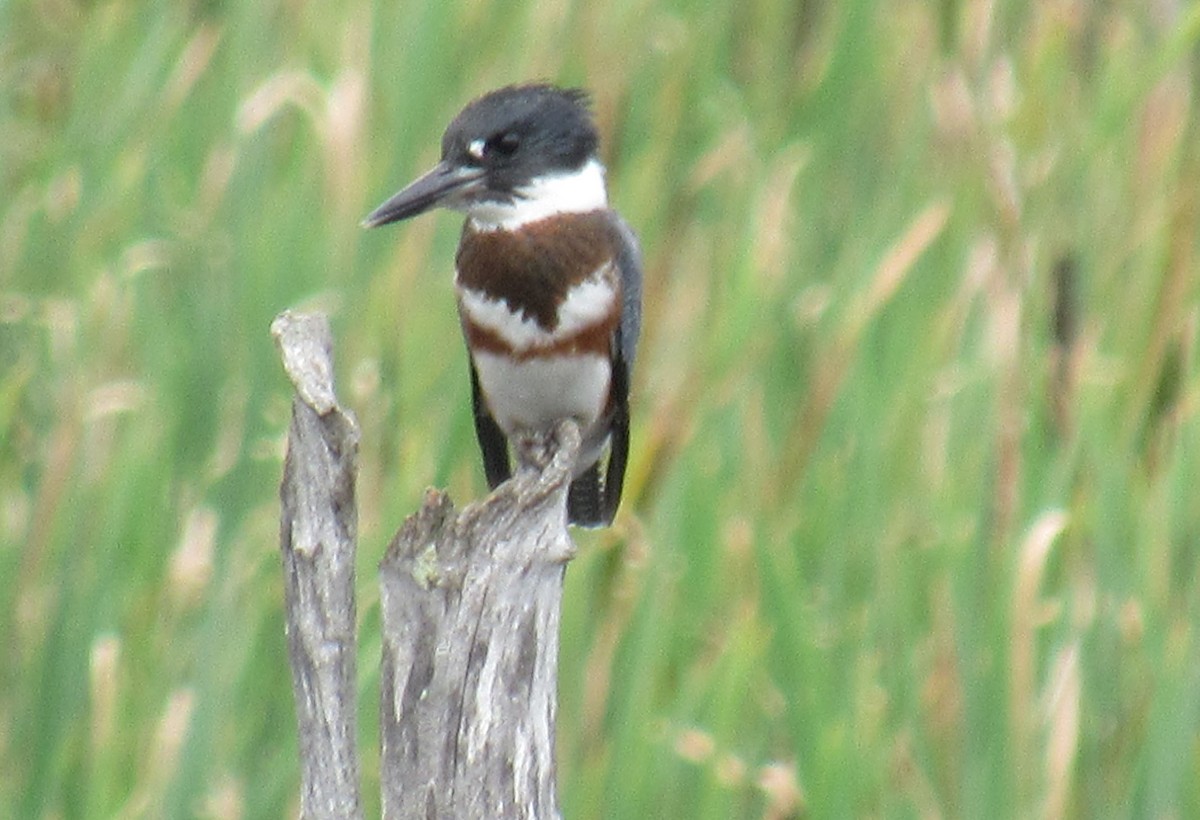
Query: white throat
{"x":572,"y":192}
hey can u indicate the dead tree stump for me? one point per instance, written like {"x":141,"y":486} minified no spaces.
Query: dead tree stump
{"x":470,"y":605}
{"x":318,"y":532}
{"x":470,"y":649}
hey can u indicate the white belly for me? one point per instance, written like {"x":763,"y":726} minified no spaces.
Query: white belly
{"x":536,"y":393}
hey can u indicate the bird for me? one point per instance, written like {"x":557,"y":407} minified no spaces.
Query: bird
{"x":548,"y":282}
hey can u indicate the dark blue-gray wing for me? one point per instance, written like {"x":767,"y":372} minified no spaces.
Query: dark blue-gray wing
{"x":629,"y":265}
{"x":493,"y":444}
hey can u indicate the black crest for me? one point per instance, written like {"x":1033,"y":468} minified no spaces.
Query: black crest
{"x":521,"y":132}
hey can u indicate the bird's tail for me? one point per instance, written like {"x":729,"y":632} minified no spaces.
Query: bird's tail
{"x":585,"y":500}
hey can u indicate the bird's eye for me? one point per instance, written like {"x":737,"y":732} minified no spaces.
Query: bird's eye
{"x":504,"y":144}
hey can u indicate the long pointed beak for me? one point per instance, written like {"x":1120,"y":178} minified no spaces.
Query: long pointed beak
{"x":444,"y":184}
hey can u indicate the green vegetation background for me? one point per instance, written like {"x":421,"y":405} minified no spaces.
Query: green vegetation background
{"x":912,"y":522}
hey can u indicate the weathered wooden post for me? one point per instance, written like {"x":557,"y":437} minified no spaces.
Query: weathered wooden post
{"x":470,"y":649}
{"x":470,"y":605}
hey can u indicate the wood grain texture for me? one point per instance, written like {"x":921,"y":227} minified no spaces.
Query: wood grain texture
{"x":318,"y":531}
{"x":470,"y":647}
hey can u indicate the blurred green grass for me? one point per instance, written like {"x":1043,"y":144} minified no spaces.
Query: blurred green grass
{"x":911,"y":527}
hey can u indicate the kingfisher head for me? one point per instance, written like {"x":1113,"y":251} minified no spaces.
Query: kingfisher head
{"x":513,"y":156}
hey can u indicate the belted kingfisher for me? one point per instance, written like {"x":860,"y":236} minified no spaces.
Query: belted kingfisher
{"x":548,"y":280}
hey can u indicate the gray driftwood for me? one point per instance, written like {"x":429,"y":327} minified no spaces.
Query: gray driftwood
{"x":470,"y":605}
{"x":318,"y":529}
{"x":470,"y":647}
